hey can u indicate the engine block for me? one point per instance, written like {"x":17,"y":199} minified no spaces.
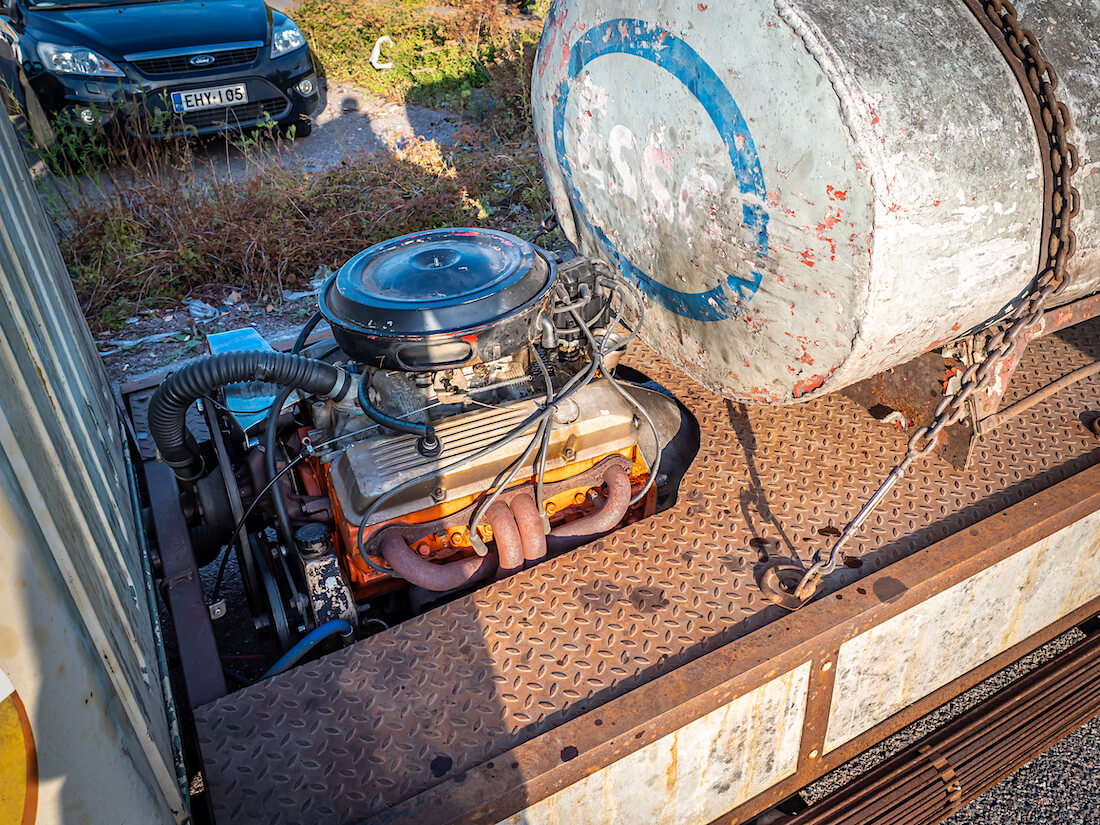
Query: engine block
{"x":594,"y":426}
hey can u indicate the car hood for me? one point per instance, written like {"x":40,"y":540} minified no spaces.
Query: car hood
{"x":116,"y":31}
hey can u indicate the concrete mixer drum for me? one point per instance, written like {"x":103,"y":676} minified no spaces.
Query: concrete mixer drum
{"x":807,"y":196}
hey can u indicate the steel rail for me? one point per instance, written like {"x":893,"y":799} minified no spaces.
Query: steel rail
{"x":936,"y":775}
{"x":1026,"y":403}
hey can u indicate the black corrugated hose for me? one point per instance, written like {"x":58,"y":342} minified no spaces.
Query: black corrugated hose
{"x":168,"y":409}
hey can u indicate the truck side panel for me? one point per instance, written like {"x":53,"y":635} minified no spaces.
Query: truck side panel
{"x":76,"y":628}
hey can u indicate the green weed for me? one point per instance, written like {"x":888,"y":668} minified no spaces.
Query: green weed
{"x":440,"y":51}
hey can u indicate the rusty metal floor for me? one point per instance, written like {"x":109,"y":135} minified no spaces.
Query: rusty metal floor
{"x":341,"y":739}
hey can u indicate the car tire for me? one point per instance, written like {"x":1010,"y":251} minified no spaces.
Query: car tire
{"x":294,"y":129}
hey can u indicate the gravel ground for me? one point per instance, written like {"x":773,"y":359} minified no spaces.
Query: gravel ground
{"x":353,"y":121}
{"x":1062,"y":786}
{"x":350,"y":121}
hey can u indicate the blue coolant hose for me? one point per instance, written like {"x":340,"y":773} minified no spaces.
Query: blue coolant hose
{"x":307,"y":643}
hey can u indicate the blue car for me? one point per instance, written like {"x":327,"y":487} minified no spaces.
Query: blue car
{"x":156,"y":67}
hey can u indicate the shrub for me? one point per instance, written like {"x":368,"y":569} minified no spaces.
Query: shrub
{"x":440,"y":52}
{"x":155,"y":238}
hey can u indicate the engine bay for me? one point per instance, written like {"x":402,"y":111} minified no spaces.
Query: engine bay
{"x":464,"y":422}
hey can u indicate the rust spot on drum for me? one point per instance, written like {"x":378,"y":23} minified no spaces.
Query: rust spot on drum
{"x":808,"y":385}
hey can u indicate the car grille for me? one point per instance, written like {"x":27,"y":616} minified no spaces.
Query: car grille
{"x":180,"y":63}
{"x":243,"y":114}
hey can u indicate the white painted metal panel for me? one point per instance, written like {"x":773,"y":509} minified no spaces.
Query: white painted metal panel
{"x":694,"y":774}
{"x":887,"y":668}
{"x":76,"y":629}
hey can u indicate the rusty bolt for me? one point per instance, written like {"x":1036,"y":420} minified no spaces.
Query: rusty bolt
{"x":551,"y":508}
{"x":569,"y":453}
{"x":438,"y":494}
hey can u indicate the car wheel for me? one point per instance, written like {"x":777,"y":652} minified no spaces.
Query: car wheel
{"x":42,"y":133}
{"x":299,"y":128}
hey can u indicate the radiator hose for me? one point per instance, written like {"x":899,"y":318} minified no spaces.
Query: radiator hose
{"x":168,"y":409}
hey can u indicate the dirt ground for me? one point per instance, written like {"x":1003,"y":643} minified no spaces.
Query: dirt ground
{"x":155,"y":340}
{"x":350,"y":121}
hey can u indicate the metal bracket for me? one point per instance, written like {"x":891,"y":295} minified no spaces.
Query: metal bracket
{"x":916,"y":387}
{"x":198,"y":651}
{"x":779,"y":584}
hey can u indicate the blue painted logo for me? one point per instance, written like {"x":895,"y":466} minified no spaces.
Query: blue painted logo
{"x":643,"y":39}
{"x":201,"y":60}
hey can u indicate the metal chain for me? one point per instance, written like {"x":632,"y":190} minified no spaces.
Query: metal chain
{"x":1051,"y":280}
{"x":547,"y":225}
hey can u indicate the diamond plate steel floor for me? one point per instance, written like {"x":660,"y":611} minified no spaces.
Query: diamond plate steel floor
{"x":341,"y":739}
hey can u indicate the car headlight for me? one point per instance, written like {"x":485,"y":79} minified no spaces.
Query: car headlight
{"x":76,"y":60}
{"x":286,"y":37}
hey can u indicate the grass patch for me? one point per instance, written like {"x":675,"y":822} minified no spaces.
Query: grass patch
{"x":441,"y":51}
{"x":164,"y":233}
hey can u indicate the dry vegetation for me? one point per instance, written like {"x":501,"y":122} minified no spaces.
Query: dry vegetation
{"x":143,"y":226}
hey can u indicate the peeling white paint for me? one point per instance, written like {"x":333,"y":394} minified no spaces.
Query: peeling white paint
{"x":695,"y":774}
{"x":898,"y":662}
{"x":904,"y":191}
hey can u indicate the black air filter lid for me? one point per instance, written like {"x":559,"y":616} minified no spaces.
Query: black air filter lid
{"x":440,"y":281}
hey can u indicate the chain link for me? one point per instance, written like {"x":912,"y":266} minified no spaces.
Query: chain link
{"x":1051,"y":280}
{"x":547,"y":225}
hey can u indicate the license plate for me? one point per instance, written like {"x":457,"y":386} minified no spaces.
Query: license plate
{"x":221,"y":96}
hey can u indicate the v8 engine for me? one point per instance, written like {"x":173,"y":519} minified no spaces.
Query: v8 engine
{"x":463,"y":422}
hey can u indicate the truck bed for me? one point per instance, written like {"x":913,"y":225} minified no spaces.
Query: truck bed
{"x":347,"y":738}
